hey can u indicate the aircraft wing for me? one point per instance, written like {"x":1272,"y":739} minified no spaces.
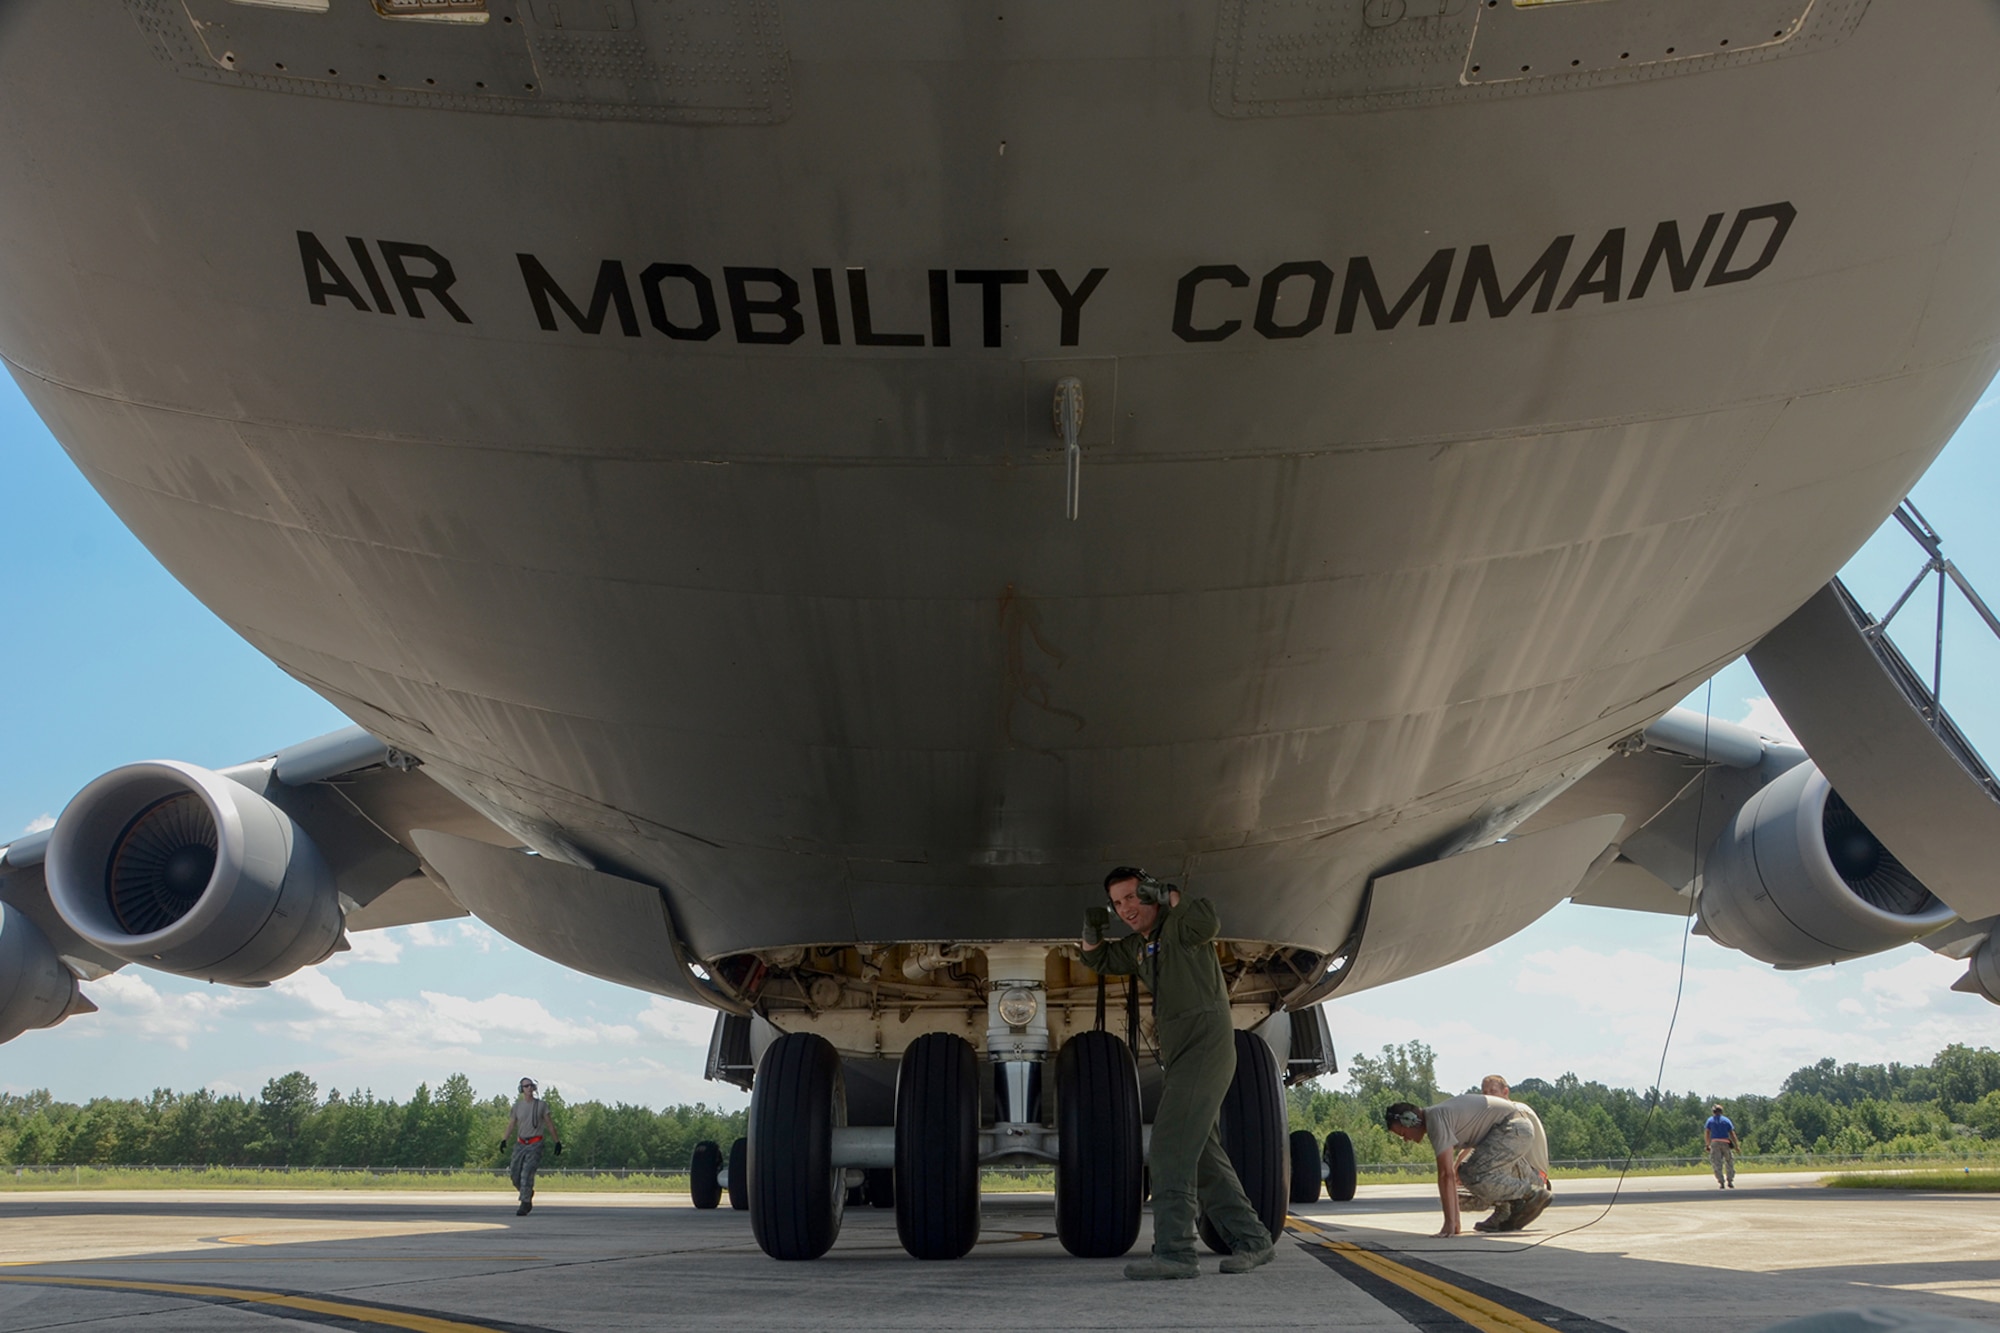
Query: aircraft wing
{"x":340,"y":810}
{"x":1695,"y":817}
{"x":1677,"y":784}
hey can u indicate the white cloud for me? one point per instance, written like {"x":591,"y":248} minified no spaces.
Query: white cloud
{"x":677,"y":1020}
{"x":447,"y":934}
{"x":368,"y":946}
{"x":430,"y":1025}
{"x":130,"y":1003}
{"x":1762,"y":716}
{"x":40,"y":823}
{"x":1578,"y":993}
{"x":1913,"y":984}
{"x":1734,"y":1014}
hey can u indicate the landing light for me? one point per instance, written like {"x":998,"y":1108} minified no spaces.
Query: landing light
{"x":1018,"y":1007}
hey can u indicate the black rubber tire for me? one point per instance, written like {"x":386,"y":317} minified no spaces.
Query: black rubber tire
{"x":880,"y":1187}
{"x":704,"y":1174}
{"x":937,"y":1147}
{"x":739,"y":1175}
{"x":1254,"y":1136}
{"x":796,"y":1192}
{"x":1305,"y":1167}
{"x":1101,"y":1158}
{"x":1341,"y":1172}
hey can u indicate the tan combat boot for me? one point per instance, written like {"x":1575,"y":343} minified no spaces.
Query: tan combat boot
{"x":1155,"y":1269}
{"x":1244,"y":1260}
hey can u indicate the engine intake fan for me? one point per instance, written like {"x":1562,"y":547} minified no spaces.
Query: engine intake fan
{"x":181,"y":869}
{"x":1797,"y":880}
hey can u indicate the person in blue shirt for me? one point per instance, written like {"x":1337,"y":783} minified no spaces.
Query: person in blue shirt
{"x":1719,"y":1136}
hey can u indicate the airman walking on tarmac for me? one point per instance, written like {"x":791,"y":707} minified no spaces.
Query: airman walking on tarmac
{"x":1172,"y":951}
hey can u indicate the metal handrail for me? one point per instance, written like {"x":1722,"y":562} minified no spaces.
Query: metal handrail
{"x":1937,"y":564}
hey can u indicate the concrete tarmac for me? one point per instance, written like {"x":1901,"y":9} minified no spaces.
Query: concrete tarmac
{"x":1673,"y":1254}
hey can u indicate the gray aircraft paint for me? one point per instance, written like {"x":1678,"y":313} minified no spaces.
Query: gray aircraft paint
{"x":799,"y":630}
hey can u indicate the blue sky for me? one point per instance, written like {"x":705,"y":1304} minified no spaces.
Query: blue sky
{"x":108,"y":660}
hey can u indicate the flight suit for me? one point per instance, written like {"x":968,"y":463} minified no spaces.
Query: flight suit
{"x":1191,"y":1172}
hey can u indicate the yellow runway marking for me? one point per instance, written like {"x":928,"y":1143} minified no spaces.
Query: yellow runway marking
{"x":289,"y":1232}
{"x":120,"y":1260}
{"x":89,"y":1235}
{"x":1486,"y":1315}
{"x":364,"y":1314}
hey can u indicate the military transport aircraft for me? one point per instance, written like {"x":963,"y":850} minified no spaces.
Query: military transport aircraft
{"x":789,"y":491}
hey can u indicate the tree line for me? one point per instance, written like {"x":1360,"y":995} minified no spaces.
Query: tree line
{"x":289,"y":1125}
{"x":1948,"y":1107}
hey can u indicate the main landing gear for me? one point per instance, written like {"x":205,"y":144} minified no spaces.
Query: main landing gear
{"x":1315,"y":1165}
{"x":806,"y":1164}
{"x":709,"y":1179}
{"x":803,"y":1165}
{"x":802,"y":1152}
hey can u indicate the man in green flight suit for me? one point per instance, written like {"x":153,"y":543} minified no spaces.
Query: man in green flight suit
{"x":1172,"y":951}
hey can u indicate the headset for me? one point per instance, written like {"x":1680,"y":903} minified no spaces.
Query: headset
{"x":1152,"y":889}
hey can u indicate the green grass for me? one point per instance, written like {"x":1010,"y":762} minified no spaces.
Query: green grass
{"x":225,"y":1177}
{"x":1974,"y":1178}
{"x":1859,"y":1175}
{"x":1745,"y":1166}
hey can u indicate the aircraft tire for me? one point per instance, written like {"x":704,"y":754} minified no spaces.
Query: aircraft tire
{"x":1254,"y":1136}
{"x":1100,"y":1158}
{"x":739,"y":1175}
{"x":796,"y":1192}
{"x":704,"y":1174}
{"x":1341,"y":1171}
{"x":881,"y":1187}
{"x":1305,"y":1167}
{"x":936,"y":1178}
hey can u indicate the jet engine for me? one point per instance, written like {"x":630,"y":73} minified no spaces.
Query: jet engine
{"x":36,"y":990}
{"x":1797,"y":880}
{"x":184,"y":870}
{"x":1982,"y":973}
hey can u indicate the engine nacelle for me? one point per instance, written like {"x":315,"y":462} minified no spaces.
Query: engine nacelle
{"x":1982,"y":973}
{"x":1798,"y":880}
{"x":181,"y":869}
{"x":36,"y":990}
